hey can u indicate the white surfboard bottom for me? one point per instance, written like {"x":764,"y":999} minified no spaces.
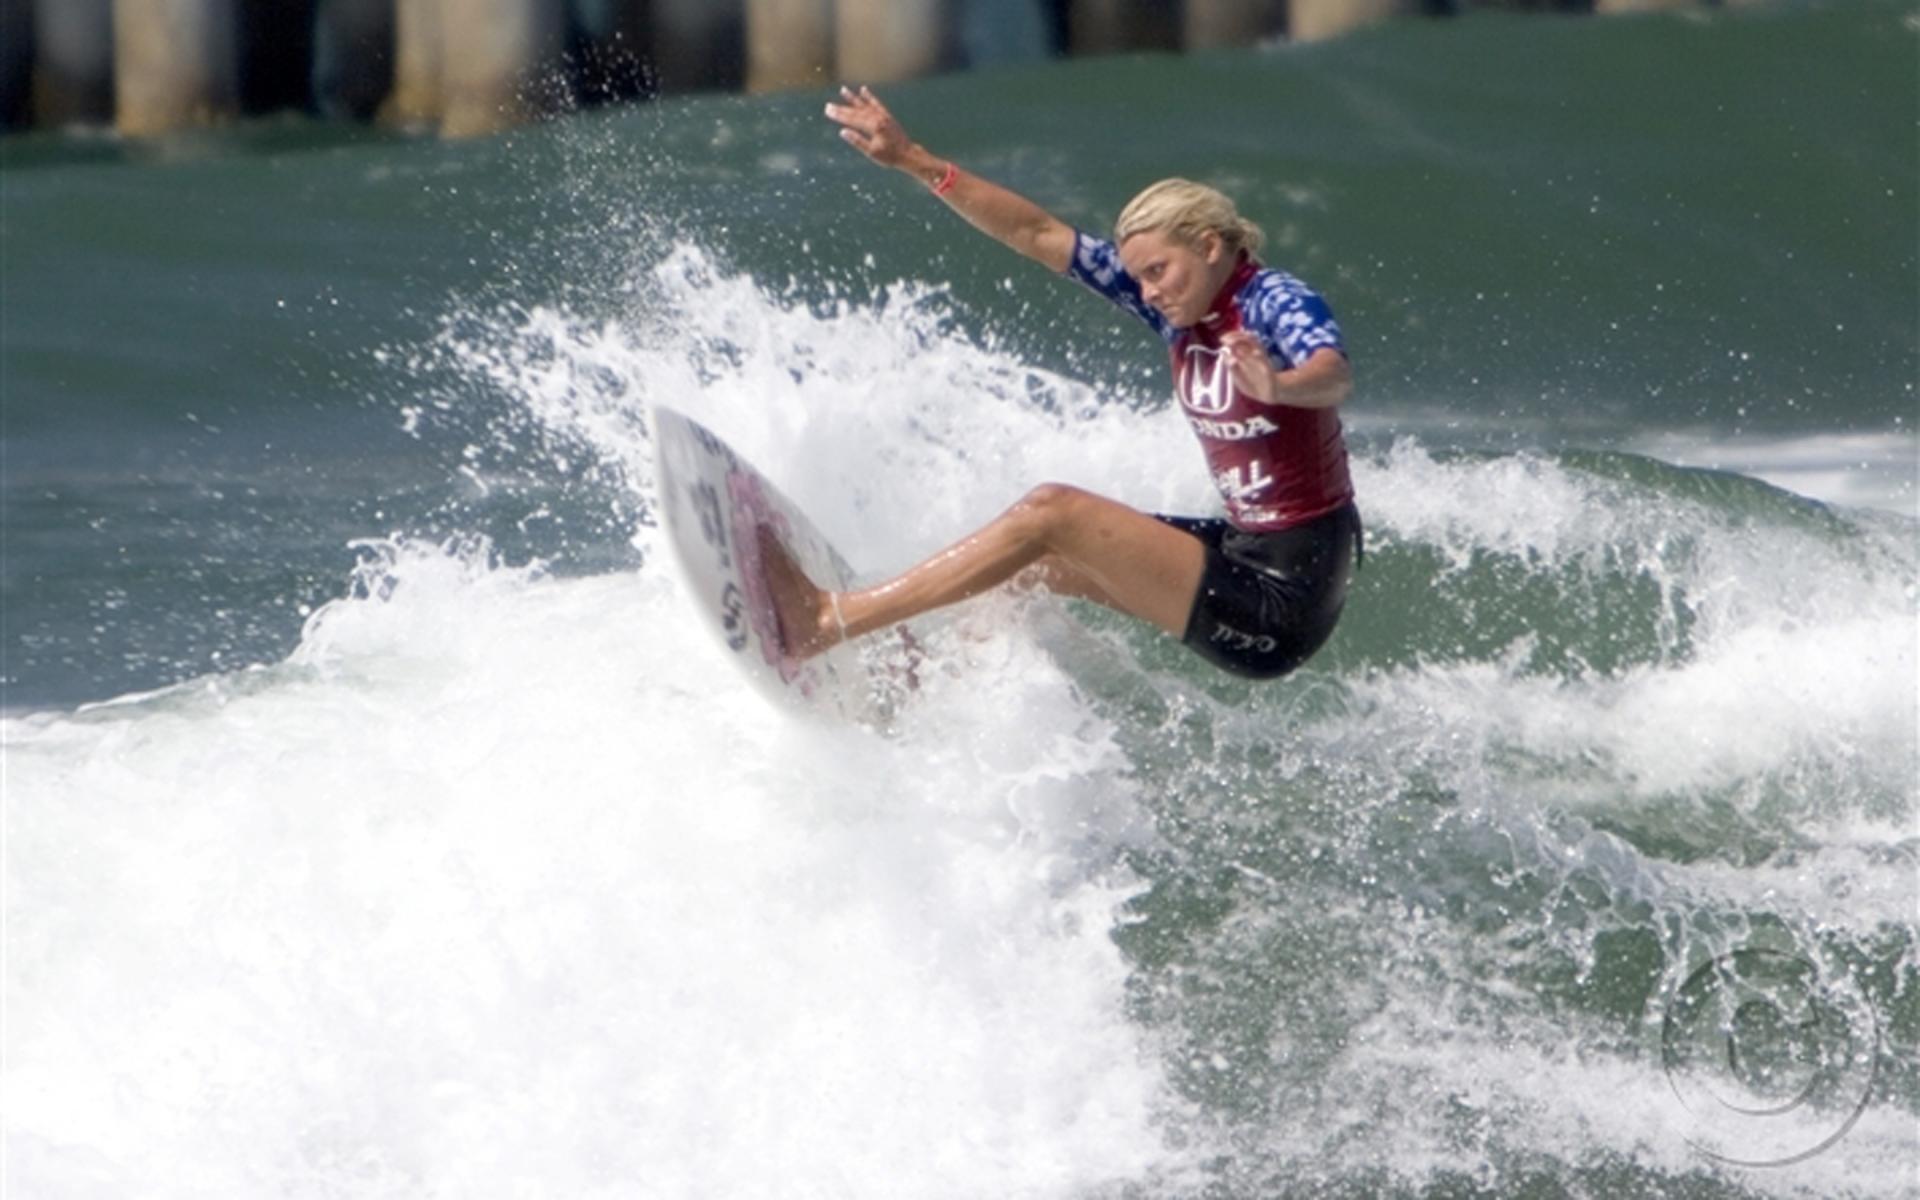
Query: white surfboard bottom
{"x":713,"y":504}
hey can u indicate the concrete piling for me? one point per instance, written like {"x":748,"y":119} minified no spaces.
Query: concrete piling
{"x":789,"y":44}
{"x":416,"y":99}
{"x":176,"y":64}
{"x":472,"y":66}
{"x":73,"y":61}
{"x":492,"y":56}
{"x":1219,"y":24}
{"x":882,"y":41}
{"x":1314,"y":20}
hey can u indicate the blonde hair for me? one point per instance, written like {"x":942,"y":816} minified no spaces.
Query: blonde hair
{"x":1185,"y":210}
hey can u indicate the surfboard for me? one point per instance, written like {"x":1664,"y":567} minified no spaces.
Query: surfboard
{"x":713,"y":503}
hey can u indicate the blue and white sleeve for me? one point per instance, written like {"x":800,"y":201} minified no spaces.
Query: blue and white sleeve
{"x":1096,"y":263}
{"x":1291,"y":317}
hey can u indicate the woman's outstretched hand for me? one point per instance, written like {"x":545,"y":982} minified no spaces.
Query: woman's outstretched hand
{"x":1007,"y":217}
{"x":867,"y":126}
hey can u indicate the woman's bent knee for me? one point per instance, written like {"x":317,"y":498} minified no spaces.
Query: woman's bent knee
{"x":1050,"y":505}
{"x":1054,"y":495}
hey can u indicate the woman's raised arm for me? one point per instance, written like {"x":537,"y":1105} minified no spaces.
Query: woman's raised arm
{"x":1008,"y":217}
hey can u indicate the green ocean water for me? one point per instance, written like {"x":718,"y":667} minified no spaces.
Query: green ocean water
{"x":1581,"y":862}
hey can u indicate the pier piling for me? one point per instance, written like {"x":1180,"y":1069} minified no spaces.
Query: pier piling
{"x":789,"y":44}
{"x":492,"y":55}
{"x":1218,"y":24}
{"x":463,"y":67}
{"x":416,"y":96}
{"x":883,"y":41}
{"x":176,"y":64}
{"x":1314,"y":20}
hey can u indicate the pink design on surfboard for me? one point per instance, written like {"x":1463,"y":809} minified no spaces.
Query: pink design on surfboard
{"x":751,"y":512}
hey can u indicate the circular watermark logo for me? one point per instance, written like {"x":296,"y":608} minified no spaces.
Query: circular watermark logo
{"x":1771,"y":1062}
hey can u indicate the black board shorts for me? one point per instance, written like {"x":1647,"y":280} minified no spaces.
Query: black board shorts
{"x":1267,"y":601}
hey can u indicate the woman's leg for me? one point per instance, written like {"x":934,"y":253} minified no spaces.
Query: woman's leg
{"x":1055,"y":574}
{"x":1088,"y":545}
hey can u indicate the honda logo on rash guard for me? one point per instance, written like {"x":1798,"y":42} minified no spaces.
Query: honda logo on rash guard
{"x":1206,"y":386}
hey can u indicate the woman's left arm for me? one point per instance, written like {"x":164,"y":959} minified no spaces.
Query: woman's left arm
{"x":1324,"y":380}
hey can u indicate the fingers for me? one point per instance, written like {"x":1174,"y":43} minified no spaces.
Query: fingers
{"x":844,"y":115}
{"x":861,"y":107}
{"x":852,"y":101}
{"x":866,"y":125}
{"x":855,"y":118}
{"x":859,"y":138}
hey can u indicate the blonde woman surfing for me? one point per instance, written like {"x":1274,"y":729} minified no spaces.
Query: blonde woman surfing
{"x":1260,"y":371}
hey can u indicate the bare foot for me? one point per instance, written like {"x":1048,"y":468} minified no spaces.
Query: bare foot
{"x":805,"y":612}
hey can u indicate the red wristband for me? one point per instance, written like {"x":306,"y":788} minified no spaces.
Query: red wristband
{"x":947,"y":180}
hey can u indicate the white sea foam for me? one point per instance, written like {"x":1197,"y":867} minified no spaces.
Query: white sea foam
{"x":1862,"y":470}
{"x":504,"y":885}
{"x":1783,"y":623}
{"x":1460,"y":1104}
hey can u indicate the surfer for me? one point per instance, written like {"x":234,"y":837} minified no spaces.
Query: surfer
{"x":1260,"y":370}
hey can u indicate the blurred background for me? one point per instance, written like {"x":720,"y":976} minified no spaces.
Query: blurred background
{"x":475,"y":66}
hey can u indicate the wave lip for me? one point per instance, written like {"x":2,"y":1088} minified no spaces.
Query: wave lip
{"x":1854,"y":470}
